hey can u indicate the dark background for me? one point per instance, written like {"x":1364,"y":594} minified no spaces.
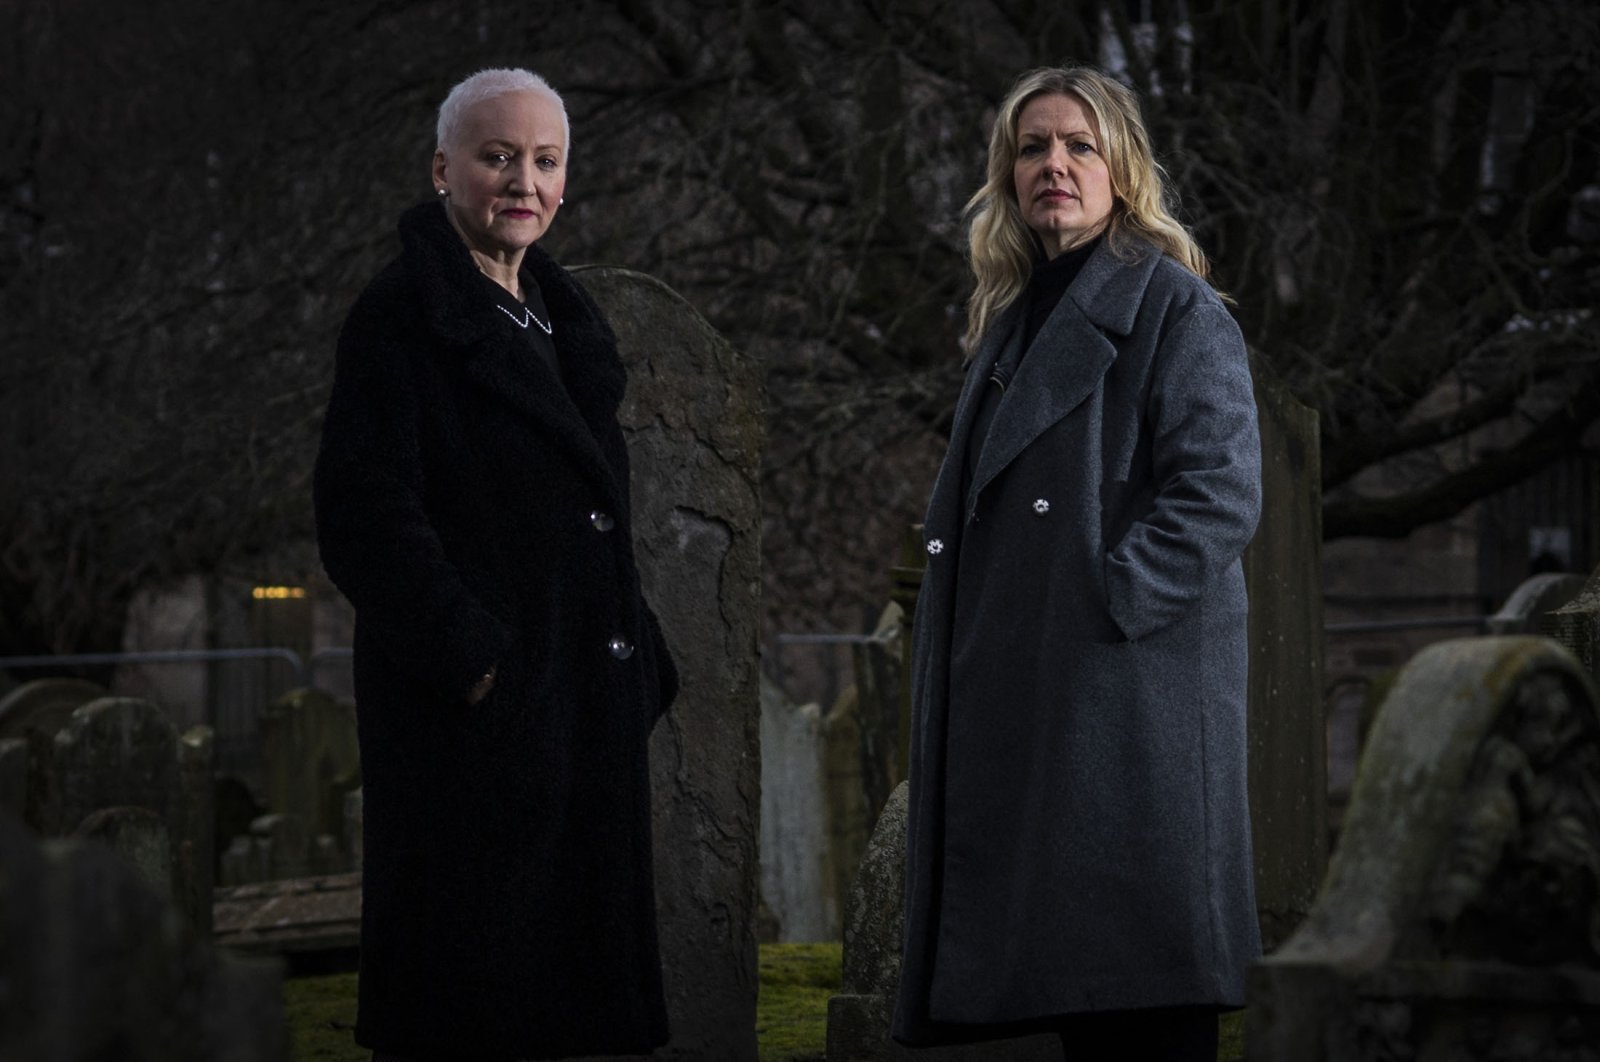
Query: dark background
{"x":1403,"y":198}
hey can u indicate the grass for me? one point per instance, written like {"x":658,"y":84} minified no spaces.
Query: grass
{"x":791,"y":1011}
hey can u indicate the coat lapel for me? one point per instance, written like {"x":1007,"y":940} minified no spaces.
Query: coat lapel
{"x":943,"y":503}
{"x":572,"y":413}
{"x":1069,"y":356}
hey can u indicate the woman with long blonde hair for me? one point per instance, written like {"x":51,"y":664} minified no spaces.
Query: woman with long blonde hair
{"x":1079,"y":848}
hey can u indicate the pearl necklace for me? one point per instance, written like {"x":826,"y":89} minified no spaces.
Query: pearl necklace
{"x":527,"y":315}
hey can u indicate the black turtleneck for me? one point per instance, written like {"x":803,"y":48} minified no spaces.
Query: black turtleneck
{"x":525,"y":319}
{"x":1049,"y":281}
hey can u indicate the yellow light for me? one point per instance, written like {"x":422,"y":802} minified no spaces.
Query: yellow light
{"x":277,"y":593}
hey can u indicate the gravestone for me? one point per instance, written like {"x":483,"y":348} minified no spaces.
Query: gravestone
{"x":96,"y":965}
{"x":13,"y":775}
{"x":311,"y":764}
{"x":859,"y":1016}
{"x":140,"y":837}
{"x":1460,"y":917}
{"x":44,"y":704}
{"x":1524,"y":611}
{"x":121,"y":751}
{"x":694,"y":421}
{"x":794,"y":817}
{"x":1288,"y":732}
{"x":1576,"y":625}
{"x":310,"y":759}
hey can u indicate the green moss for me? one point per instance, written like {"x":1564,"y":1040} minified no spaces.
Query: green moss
{"x":797,"y":981}
{"x":322,"y":1018}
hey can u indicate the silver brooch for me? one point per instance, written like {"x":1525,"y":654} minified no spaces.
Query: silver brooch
{"x":1041,"y":506}
{"x":935,"y":545}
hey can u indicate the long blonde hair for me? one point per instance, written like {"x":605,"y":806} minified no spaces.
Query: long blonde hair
{"x":1002,"y":249}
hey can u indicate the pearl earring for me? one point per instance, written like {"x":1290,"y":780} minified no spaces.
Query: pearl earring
{"x":442,"y":191}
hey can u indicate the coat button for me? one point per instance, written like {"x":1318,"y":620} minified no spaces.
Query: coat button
{"x":1041,"y":506}
{"x":621,"y":648}
{"x":602,"y":521}
{"x":935,"y":545}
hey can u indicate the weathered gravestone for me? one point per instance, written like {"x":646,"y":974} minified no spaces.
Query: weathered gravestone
{"x":311,"y":763}
{"x":96,"y":965}
{"x":693,"y":417}
{"x":1524,"y":611}
{"x":123,"y":752}
{"x":1460,"y":918}
{"x":1288,"y":732}
{"x":794,"y":820}
{"x":1576,"y":625}
{"x":1288,"y":758}
{"x":44,"y":704}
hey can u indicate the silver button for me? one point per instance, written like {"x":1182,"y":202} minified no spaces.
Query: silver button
{"x":602,"y":521}
{"x":1041,"y":506}
{"x":621,"y":648}
{"x":935,"y":545}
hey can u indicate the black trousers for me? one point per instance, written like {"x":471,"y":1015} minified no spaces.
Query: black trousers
{"x":1156,"y":1034}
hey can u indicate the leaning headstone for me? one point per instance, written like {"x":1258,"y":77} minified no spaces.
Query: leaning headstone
{"x":1524,"y":611}
{"x":1460,"y":918}
{"x":859,"y":1016}
{"x":693,"y":417}
{"x":1287,"y":730}
{"x":1576,"y":625}
{"x":96,"y":965}
{"x":44,"y":704}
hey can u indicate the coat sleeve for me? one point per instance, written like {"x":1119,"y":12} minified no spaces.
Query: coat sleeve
{"x":1206,"y":472}
{"x":376,"y":540}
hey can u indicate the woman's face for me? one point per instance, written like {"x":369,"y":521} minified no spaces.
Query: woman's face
{"x":505,"y":172}
{"x":1062,"y":182}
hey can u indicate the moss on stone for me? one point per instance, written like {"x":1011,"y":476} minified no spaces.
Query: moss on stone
{"x":791,"y":1012}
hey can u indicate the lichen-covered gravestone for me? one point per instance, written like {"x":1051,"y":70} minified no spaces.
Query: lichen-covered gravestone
{"x":123,"y":752}
{"x":1460,"y":917}
{"x":693,"y":418}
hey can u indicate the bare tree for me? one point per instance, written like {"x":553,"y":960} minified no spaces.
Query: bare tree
{"x":1401,"y":198}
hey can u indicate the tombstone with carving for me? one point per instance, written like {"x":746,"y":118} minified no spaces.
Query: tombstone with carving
{"x":1460,"y":917}
{"x":122,"y":752}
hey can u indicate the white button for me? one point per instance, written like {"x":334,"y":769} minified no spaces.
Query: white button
{"x":602,"y":521}
{"x":621,"y":648}
{"x":1041,"y":506}
{"x":935,"y":545}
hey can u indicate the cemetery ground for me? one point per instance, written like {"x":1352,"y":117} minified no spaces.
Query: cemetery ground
{"x":791,"y":1012}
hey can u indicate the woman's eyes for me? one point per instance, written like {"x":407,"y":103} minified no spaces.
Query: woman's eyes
{"x":1077,"y":147}
{"x":499,"y":158}
{"x":548,"y":163}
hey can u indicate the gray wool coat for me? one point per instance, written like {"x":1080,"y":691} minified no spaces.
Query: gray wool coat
{"x":1079,"y":836}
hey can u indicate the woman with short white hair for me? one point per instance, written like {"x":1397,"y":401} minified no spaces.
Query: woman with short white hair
{"x":472,"y":503}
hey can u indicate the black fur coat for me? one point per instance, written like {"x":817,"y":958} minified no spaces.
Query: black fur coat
{"x":475,"y":512}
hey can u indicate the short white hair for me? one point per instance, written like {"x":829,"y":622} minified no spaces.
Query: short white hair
{"x":487,"y":85}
